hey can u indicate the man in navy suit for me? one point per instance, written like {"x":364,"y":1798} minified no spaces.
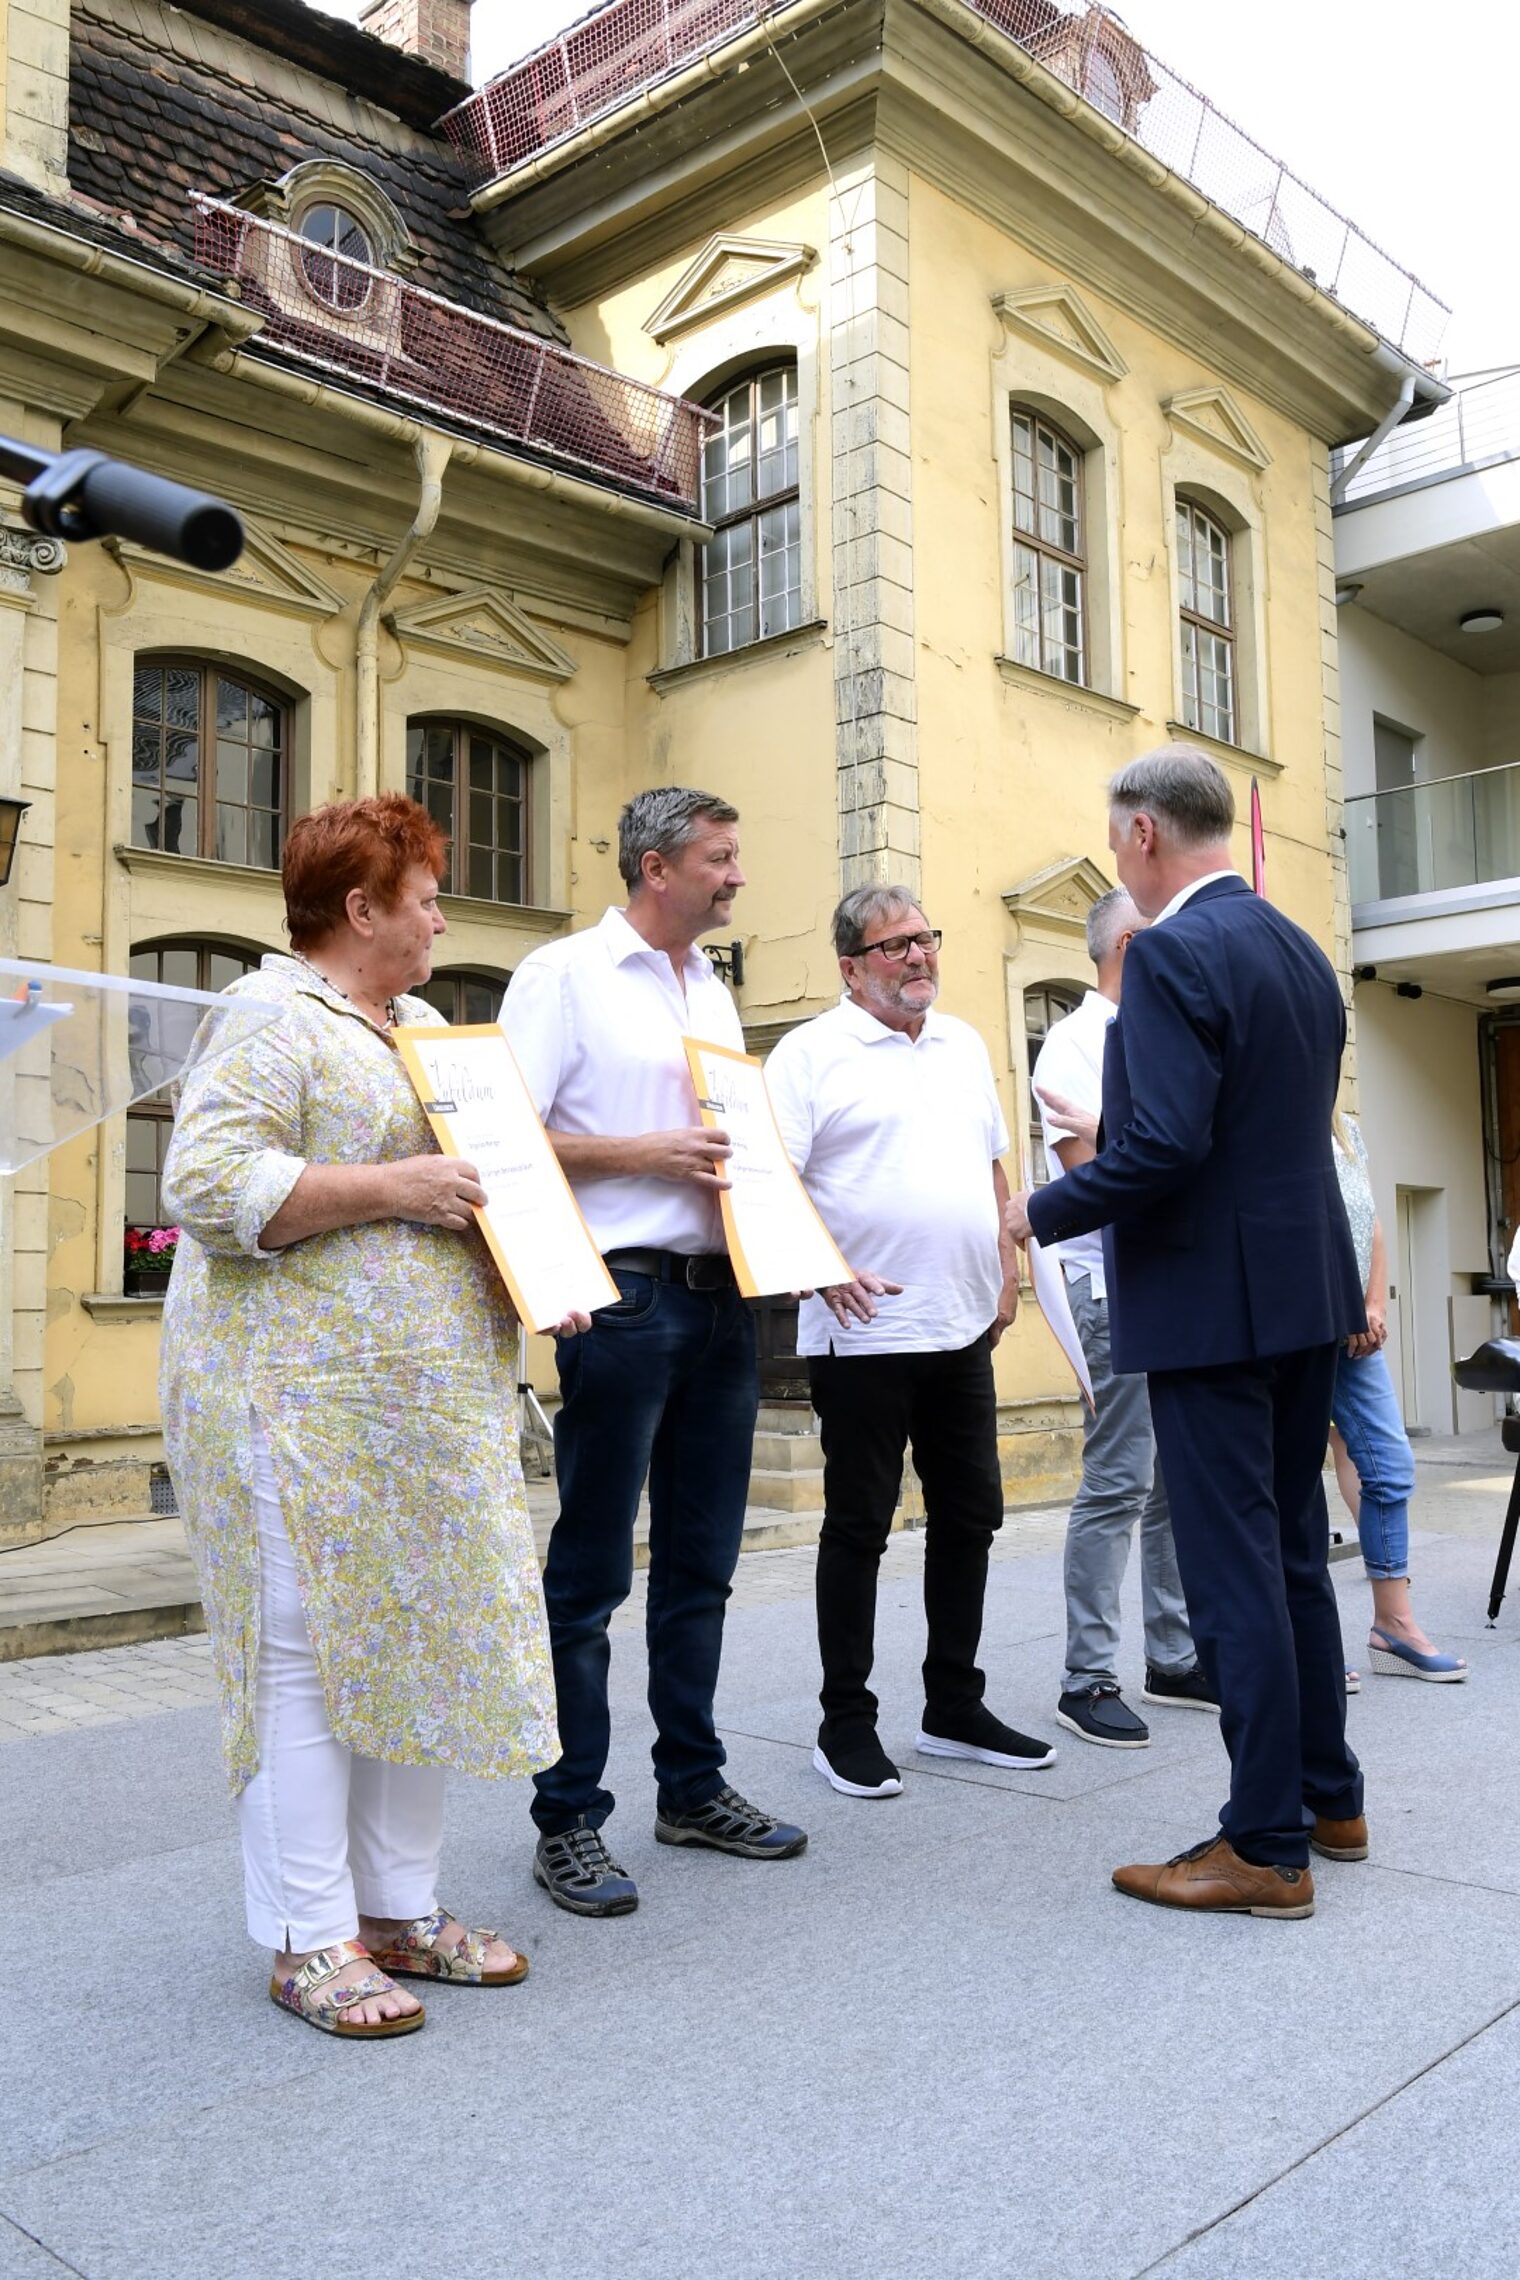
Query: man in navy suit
{"x":1232,"y":1281}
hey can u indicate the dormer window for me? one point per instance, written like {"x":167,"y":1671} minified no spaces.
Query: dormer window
{"x":329,"y":230}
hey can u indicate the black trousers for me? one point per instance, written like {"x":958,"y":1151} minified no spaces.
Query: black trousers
{"x":871,"y":1407}
{"x":1242,"y":1448}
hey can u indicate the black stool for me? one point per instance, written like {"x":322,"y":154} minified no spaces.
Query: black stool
{"x":1495,"y":1368}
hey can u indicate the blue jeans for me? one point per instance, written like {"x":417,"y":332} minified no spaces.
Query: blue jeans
{"x":1365,"y":1412}
{"x":663,"y":1385}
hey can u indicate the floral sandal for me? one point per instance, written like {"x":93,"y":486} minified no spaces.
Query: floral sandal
{"x":320,"y":1994}
{"x":414,"y":1953}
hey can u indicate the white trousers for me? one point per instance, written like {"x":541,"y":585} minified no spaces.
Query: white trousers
{"x":325,"y":1834}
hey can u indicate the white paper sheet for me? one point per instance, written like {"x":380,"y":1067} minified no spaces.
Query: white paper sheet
{"x":1050,"y":1295}
{"x":481,"y":1110}
{"x":776,"y":1240}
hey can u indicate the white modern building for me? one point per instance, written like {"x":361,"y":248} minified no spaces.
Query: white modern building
{"x":1427,"y":552}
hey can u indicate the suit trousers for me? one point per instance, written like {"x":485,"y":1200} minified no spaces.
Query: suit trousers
{"x":1243,"y":1449}
{"x":870,"y":1408}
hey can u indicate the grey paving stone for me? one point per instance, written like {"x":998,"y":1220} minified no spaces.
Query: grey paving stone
{"x":1423,"y":2185}
{"x":882,"y":2058}
{"x":22,"y":2258}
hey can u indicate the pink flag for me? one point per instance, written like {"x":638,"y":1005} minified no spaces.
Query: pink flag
{"x":1258,"y":842}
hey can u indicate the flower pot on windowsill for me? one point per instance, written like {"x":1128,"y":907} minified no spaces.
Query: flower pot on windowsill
{"x":145,"y":1282}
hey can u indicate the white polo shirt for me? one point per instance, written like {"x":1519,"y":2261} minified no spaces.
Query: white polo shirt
{"x":596,"y":1022}
{"x":895,"y":1138}
{"x":1070,"y":1062}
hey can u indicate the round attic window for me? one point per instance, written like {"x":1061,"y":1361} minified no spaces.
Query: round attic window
{"x":331,"y":231}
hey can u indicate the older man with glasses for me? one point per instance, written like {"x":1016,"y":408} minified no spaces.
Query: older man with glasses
{"x":890,"y":1114}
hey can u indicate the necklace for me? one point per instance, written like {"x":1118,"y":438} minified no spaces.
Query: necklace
{"x":381,"y":1028}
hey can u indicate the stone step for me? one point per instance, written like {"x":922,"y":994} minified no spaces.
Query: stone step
{"x":787,"y":1491}
{"x":788,"y":1452}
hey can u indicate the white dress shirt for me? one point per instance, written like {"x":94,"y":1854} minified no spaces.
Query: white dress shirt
{"x":1070,"y":1062}
{"x":596,"y":1022}
{"x":895,"y":1138}
{"x":1185,"y":894}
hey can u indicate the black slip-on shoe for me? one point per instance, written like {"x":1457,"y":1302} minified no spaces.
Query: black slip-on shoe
{"x":729,"y":1823}
{"x":977,"y":1735}
{"x":1178,"y":1690}
{"x":579,"y":1873}
{"x":1100,"y":1714}
{"x":856,"y":1765}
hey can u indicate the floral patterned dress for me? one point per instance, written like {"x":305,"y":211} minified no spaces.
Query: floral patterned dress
{"x":382,"y":1363}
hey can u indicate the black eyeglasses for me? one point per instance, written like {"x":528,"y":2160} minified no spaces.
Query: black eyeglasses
{"x":896,"y":946}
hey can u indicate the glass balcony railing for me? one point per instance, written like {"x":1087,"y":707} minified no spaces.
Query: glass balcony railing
{"x":1456,"y":831}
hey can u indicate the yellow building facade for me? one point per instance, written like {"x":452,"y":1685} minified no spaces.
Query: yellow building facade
{"x":918,"y":264}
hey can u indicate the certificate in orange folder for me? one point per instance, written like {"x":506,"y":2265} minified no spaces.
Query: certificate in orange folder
{"x":776,"y":1241}
{"x":474,"y":1096}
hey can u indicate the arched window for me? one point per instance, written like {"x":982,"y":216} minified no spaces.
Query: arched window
{"x":749,"y":579}
{"x":1049,"y":549}
{"x":462,"y":994}
{"x":209,"y":761}
{"x":474,"y":783}
{"x":1208,"y":623}
{"x":184,"y":966}
{"x":331,"y":229}
{"x":1044,"y":1006}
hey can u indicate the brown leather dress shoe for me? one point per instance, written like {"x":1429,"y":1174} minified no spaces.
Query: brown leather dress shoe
{"x":1339,"y":1840}
{"x":1213,"y":1876}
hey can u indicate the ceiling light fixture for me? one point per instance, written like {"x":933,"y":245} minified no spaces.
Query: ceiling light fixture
{"x":1505,"y":991}
{"x":1481,"y":621}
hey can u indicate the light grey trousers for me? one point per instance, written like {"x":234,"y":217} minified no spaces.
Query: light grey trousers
{"x":1121,"y":1483}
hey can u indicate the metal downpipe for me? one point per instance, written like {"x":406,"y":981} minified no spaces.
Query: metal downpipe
{"x":433,"y":453}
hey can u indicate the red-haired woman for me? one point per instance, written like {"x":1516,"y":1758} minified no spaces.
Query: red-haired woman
{"x":339,"y":1391}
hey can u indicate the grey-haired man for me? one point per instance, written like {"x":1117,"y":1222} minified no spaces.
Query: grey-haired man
{"x":1121,"y":1481}
{"x":890,"y":1114}
{"x":664,"y":1385}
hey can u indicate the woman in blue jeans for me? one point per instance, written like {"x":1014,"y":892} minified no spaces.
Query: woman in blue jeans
{"x":1373,"y":1462}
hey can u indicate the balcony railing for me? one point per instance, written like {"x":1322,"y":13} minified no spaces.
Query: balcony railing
{"x":1456,"y":831}
{"x":630,"y":45}
{"x":358,"y":323}
{"x":1479,"y":425}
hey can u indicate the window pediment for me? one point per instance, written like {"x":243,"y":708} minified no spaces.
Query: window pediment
{"x":728,"y":270}
{"x":1057,"y":899}
{"x":265,"y":570}
{"x":1212,"y":415}
{"x":478,"y":623}
{"x":1053,"y":316}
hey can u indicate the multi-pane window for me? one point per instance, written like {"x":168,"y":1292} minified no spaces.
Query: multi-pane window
{"x":332,"y":230}
{"x":1043,"y":1008}
{"x":1049,"y":559}
{"x":474,"y":784}
{"x":749,"y":579}
{"x":185,"y":966}
{"x":208,"y":764}
{"x":463,"y":996}
{"x":1208,"y":623}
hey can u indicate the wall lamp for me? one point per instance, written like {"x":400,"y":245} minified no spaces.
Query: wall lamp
{"x":11,"y":812}
{"x":727,"y":960}
{"x":1408,"y":989}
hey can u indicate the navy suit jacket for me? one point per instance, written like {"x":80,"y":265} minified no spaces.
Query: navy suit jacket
{"x":1226,"y":1237}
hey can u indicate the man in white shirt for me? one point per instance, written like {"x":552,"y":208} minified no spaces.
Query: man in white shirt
{"x":890,"y":1114}
{"x":1121,"y":1481}
{"x":664,"y":1384}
